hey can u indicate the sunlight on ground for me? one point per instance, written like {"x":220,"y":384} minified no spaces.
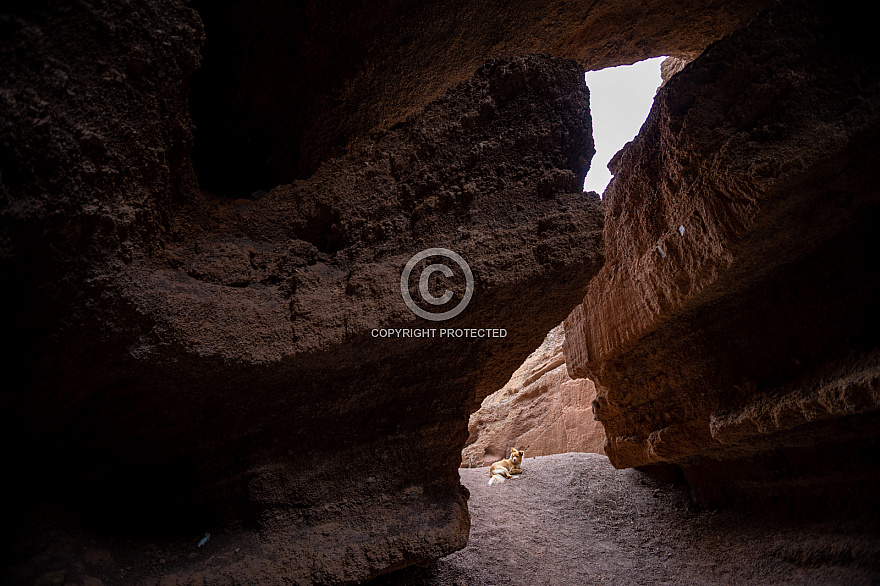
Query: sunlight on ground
{"x":620,"y":99}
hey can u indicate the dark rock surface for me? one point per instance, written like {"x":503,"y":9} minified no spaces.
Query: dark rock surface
{"x":195,"y":363}
{"x":286,"y":86}
{"x":733,"y":330}
{"x":94,"y":145}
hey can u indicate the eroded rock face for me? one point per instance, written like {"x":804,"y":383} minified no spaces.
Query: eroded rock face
{"x":540,"y":409}
{"x":218,"y":370}
{"x":732,"y":330}
{"x":286,"y":86}
{"x":670,"y":66}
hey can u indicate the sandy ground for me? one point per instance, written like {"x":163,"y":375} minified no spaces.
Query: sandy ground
{"x":574,"y":519}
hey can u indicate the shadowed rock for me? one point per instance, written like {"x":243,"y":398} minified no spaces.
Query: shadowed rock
{"x":732,"y":330}
{"x":286,"y":86}
{"x":210,"y":364}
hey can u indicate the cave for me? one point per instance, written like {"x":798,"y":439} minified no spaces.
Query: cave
{"x":207,"y":210}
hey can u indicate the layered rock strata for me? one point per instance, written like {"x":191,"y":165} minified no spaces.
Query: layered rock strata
{"x":732,"y":331}
{"x":540,"y":409}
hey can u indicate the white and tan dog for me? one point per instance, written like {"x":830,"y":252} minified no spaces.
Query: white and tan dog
{"x":506,"y":468}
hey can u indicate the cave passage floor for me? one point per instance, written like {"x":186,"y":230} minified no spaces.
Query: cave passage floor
{"x":574,"y":519}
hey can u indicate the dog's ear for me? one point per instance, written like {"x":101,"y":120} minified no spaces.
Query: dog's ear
{"x":512,"y":450}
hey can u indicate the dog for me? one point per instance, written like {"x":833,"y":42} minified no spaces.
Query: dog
{"x":506,"y":468}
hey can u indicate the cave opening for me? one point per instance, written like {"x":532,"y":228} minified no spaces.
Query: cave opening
{"x":620,"y":100}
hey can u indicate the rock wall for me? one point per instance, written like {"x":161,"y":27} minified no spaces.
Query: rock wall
{"x":181,"y":362}
{"x":540,"y":409}
{"x":732,"y":330}
{"x":286,"y":86}
{"x":178,"y":362}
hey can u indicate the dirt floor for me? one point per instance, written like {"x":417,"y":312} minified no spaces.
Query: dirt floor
{"x":574,"y":519}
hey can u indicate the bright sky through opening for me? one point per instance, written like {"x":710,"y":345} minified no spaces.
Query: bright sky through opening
{"x":620,"y":99}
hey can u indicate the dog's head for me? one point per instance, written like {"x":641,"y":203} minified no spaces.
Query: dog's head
{"x":516,"y":456}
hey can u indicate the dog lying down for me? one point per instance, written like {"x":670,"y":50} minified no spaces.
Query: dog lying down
{"x":506,"y":468}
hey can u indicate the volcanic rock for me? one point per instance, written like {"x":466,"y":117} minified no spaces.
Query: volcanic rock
{"x":733,"y":329}
{"x":287,"y":86}
{"x":186,"y":363}
{"x":670,"y":66}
